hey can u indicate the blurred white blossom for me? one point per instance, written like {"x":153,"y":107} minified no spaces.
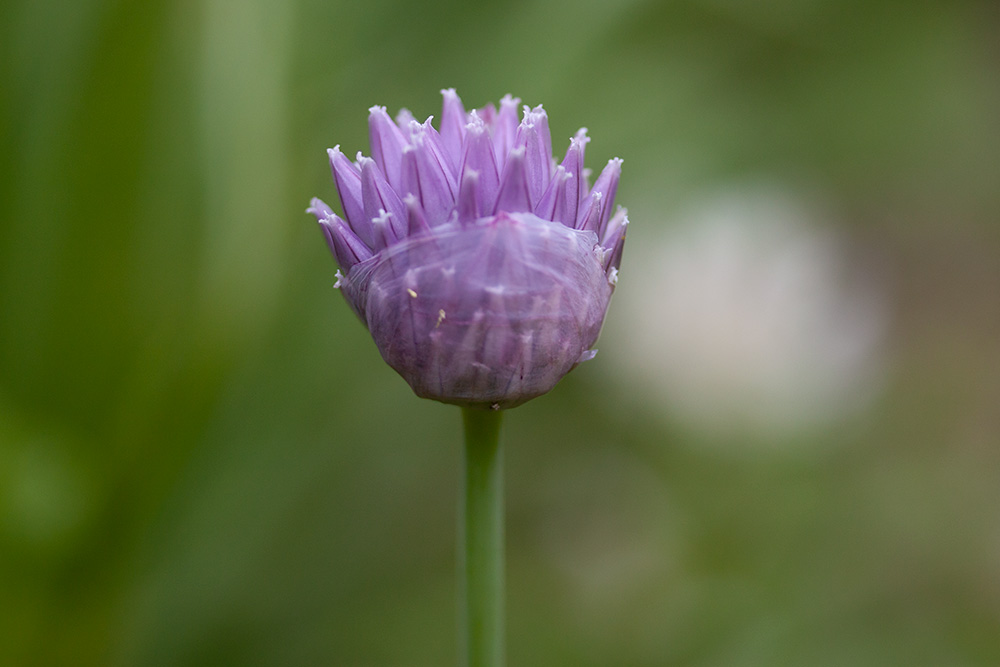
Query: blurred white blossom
{"x":747,"y":316}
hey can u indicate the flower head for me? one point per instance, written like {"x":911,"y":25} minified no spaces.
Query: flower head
{"x":482,"y":268}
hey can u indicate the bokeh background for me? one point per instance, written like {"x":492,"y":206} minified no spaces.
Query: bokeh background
{"x":787,"y":452}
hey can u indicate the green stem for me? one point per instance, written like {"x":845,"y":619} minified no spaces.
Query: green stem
{"x":481,"y":541}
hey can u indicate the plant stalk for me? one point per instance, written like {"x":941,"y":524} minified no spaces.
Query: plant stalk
{"x":481,"y":541}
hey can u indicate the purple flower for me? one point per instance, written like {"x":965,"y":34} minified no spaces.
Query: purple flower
{"x":482,"y":268}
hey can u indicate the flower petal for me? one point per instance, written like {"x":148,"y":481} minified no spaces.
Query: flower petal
{"x":533,"y":136}
{"x":403,"y":120}
{"x":387,"y":142}
{"x":555,"y":197}
{"x":453,"y":121}
{"x":505,"y":129}
{"x":378,"y":196}
{"x":467,"y":205}
{"x":384,"y":234}
{"x":488,"y":114}
{"x":347,"y":178}
{"x":614,"y":257}
{"x":437,"y":152}
{"x":416,"y":221}
{"x":319,"y":208}
{"x":615,"y":228}
{"x":424,"y":177}
{"x":573,"y":164}
{"x":607,"y":184}
{"x":590,"y":212}
{"x":513,"y":196}
{"x":479,"y":157}
{"x":346,"y":247}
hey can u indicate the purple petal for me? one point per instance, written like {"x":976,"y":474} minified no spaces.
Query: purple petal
{"x":453,"y":121}
{"x":424,"y":177}
{"x":553,"y":197}
{"x":573,"y":164}
{"x":488,"y":114}
{"x":603,"y":193}
{"x":613,"y":259}
{"x":467,"y":206}
{"x":378,"y":196}
{"x":416,"y":221}
{"x":384,"y":234}
{"x":347,"y":248}
{"x":590,"y":213}
{"x":533,"y":136}
{"x":505,"y":128}
{"x":607,"y":184}
{"x":403,"y":120}
{"x":387,"y":143}
{"x":437,"y":152}
{"x":513,"y":196}
{"x":542,"y":127}
{"x":319,"y":208}
{"x":567,"y":206}
{"x":615,"y":229}
{"x":479,"y":157}
{"x":347,"y":178}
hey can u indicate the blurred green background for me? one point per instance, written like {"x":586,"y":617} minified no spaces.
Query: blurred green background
{"x":204,"y":461}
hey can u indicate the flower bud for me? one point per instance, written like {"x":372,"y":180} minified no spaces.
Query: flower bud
{"x":481,"y":268}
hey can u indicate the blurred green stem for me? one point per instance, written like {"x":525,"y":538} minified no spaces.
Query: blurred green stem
{"x":481,"y":541}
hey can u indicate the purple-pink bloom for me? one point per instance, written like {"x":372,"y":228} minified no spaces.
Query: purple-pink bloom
{"x":482,"y":268}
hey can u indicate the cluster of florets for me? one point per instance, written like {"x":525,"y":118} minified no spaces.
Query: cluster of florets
{"x":482,"y":268}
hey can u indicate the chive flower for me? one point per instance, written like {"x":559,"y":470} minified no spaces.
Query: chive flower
{"x":481,"y":267}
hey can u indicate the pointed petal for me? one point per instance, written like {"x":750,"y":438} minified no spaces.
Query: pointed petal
{"x":573,"y":163}
{"x":533,"y":136}
{"x":566,"y":205}
{"x":554,"y":196}
{"x":319,"y":208}
{"x":505,"y":129}
{"x":437,"y":152}
{"x":387,"y":143}
{"x":614,"y":257}
{"x":479,"y":157}
{"x":607,"y":184}
{"x":403,"y":120}
{"x":346,"y":247}
{"x":608,"y":236}
{"x":590,"y":213}
{"x":453,"y":121}
{"x":424,"y":177}
{"x":513,"y":195}
{"x":489,"y":115}
{"x":467,"y":206}
{"x":378,"y":196}
{"x":542,"y":127}
{"x":416,"y":221}
{"x":347,"y":178}
{"x":384,"y":234}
